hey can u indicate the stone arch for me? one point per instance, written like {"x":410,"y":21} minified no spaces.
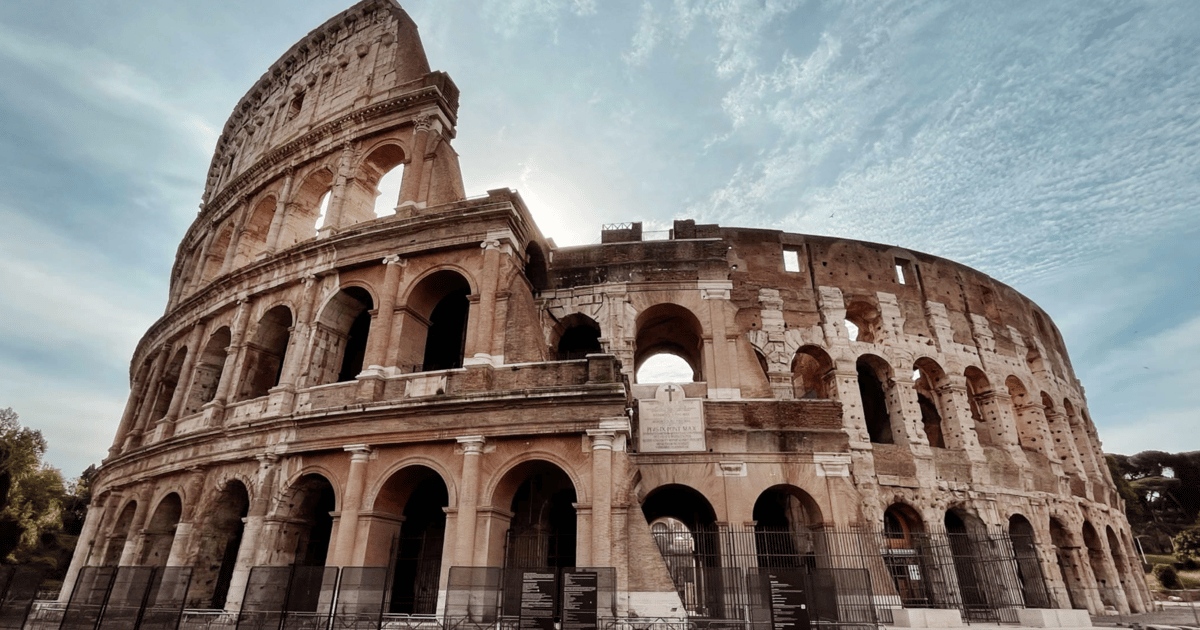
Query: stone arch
{"x":905,"y":555}
{"x":874,"y":383}
{"x":500,"y":487}
{"x":1028,"y":431}
{"x":265,"y":353}
{"x":255,"y":233}
{"x":969,"y":548}
{"x":541,"y":496}
{"x":340,"y":336}
{"x":866,"y":319}
{"x":929,"y":380}
{"x":784,"y":517}
{"x":989,"y":429}
{"x":1121,"y":563}
{"x":304,"y":534}
{"x":668,"y":328}
{"x":119,"y":534}
{"x":684,"y":526}
{"x":410,"y":508}
{"x":535,"y":267}
{"x":576,"y":336}
{"x":1106,"y":583}
{"x":1023,"y":538}
{"x":437,"y":311}
{"x":167,"y":384}
{"x":363,"y":200}
{"x":218,"y":538}
{"x":305,"y":207}
{"x":159,"y":532}
{"x":813,"y":373}
{"x":206,"y":372}
{"x":1068,"y":566}
{"x":218,"y":248}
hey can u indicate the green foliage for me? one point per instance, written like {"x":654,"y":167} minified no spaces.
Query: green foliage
{"x":1167,"y":576}
{"x":32,"y":492}
{"x":1187,"y":544}
{"x":1135,"y":508}
{"x":1167,"y":486}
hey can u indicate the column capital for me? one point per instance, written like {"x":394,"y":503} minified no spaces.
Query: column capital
{"x":472,"y":444}
{"x":602,"y":439}
{"x":395,"y":259}
{"x":358,"y":452}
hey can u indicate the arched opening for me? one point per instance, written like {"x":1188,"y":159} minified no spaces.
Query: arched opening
{"x":340,"y":338}
{"x":375,"y":190}
{"x":1027,"y":422}
{"x":1029,"y":571}
{"x":905,"y":552}
{"x":119,"y":535}
{"x":435,"y":329}
{"x":1067,"y":567}
{"x":873,"y":372}
{"x":542,"y":533}
{"x":253,"y":240}
{"x":418,"y":495}
{"x":265,"y":353}
{"x":979,"y":392}
{"x":206,"y":375}
{"x":783,"y":520}
{"x":864,"y":321}
{"x":159,"y":534}
{"x":306,"y":213}
{"x":928,"y":379}
{"x":1095,"y":552}
{"x":167,"y":384}
{"x":220,"y":537}
{"x":305,"y":531}
{"x":580,"y":337}
{"x":1083,"y":443}
{"x":1119,"y":563}
{"x":966,"y":534}
{"x":684,"y":526}
{"x":1033,"y":359}
{"x":215,"y":258}
{"x":812,"y":374}
{"x":668,"y":329}
{"x":535,"y":267}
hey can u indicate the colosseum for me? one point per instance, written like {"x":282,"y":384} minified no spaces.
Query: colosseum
{"x":431,"y":414}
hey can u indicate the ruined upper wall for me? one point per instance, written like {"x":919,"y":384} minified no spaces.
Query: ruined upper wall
{"x":318,"y":78}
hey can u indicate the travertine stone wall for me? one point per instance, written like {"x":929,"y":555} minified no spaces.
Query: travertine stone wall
{"x":310,"y":394}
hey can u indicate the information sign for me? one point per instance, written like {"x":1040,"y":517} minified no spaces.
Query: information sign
{"x":579,"y":600}
{"x":789,"y":603}
{"x":537,"y":601}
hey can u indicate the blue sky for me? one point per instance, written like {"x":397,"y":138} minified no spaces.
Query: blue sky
{"x":1051,"y":145}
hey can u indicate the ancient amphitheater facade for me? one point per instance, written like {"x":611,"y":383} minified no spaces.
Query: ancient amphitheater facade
{"x":442,"y":393}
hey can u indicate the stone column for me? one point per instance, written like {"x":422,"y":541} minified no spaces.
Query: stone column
{"x":480,"y":344}
{"x":337,"y":198}
{"x":602,"y":444}
{"x":247,"y":555}
{"x":414,"y":173}
{"x":298,"y":342}
{"x":347,"y":529}
{"x":130,"y":414}
{"x":152,"y":384}
{"x":214,"y":409}
{"x":277,"y":219}
{"x":379,"y":339}
{"x":183,"y":530}
{"x":166,"y":426}
{"x":720,"y":373}
{"x":137,"y":532}
{"x":87,"y":540}
{"x":468,"y":498}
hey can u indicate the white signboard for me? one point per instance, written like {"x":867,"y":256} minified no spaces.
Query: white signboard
{"x":671,"y":423}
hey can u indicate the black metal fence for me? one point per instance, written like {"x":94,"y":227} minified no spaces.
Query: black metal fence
{"x":18,"y":587}
{"x":855,"y":575}
{"x":127,"y":598}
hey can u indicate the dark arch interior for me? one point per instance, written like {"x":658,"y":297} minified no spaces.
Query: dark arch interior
{"x":356,"y":336}
{"x":264,"y":357}
{"x":675,"y":511}
{"x":535,"y":268}
{"x":670,"y":329}
{"x":418,"y":561}
{"x":315,"y":521}
{"x":447,"y":332}
{"x":783,"y":517}
{"x":221,"y":539}
{"x":874,"y":399}
{"x":581,"y":338}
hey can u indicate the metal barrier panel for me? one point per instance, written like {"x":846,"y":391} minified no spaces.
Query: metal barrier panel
{"x":309,"y":604}
{"x":265,"y":597}
{"x":361,"y":598}
{"x":88,"y":598}
{"x":18,"y":588}
{"x":127,"y":598}
{"x":164,"y":605}
{"x":472,"y":597}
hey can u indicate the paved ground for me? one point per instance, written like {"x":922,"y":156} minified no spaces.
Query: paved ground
{"x":1170,"y":615}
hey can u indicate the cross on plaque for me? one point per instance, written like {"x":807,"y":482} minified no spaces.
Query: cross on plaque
{"x":671,"y":389}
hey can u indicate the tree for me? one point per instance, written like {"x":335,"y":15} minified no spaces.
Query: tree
{"x":1187,"y":544}
{"x":1167,"y":486}
{"x":31,"y":492}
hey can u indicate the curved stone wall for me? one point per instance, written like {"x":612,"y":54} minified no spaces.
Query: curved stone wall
{"x":323,"y":394}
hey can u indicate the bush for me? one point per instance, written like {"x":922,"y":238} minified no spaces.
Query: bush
{"x":1187,"y":544}
{"x":1166,"y":575}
